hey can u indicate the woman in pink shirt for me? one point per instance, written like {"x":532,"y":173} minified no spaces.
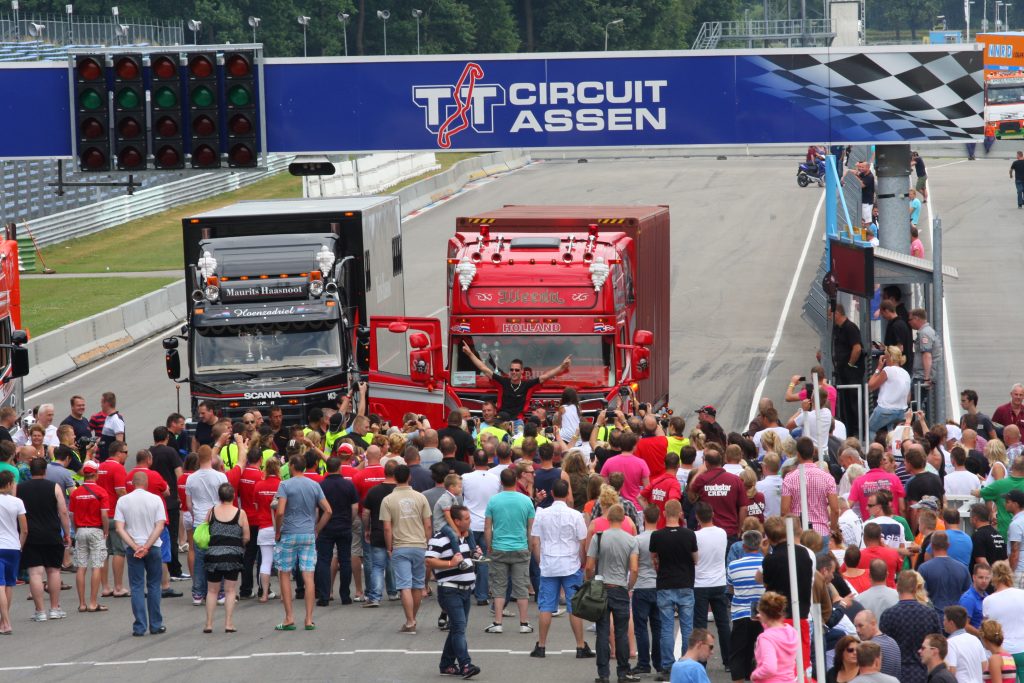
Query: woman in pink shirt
{"x":775,"y":651}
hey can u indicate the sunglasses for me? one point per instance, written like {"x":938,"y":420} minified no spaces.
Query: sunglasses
{"x":851,"y":649}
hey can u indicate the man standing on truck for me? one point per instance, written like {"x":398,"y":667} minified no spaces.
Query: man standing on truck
{"x":514,"y":389}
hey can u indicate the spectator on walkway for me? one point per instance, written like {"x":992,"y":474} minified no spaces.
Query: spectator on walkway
{"x":90,"y":509}
{"x":296,"y":527}
{"x":1001,"y":666}
{"x":635,"y":471}
{"x":454,"y":592}
{"x":724,"y":492}
{"x":866,"y":623}
{"x":775,"y":576}
{"x":663,"y":488}
{"x":111,"y":428}
{"x":674,"y":554}
{"x":201,"y":495}
{"x":908,"y":622}
{"x":49,"y":533}
{"x":646,"y":616}
{"x":709,"y":588}
{"x":881,"y":596}
{"x":374,"y":532}
{"x":167,"y":463}
{"x":933,"y":653}
{"x":945,"y":578}
{"x":988,"y":547}
{"x":1017,"y":167}
{"x":1005,"y":605}
{"x":966,"y":656}
{"x":557,"y":543}
{"x":974,"y":597}
{"x":336,"y":535}
{"x":264,"y":493}
{"x":870,"y":661}
{"x":692,"y":667}
{"x":652,"y":446}
{"x":139,"y":518}
{"x":822,"y":504}
{"x":508,"y":521}
{"x":229,"y":534}
{"x":13,"y":534}
{"x":615,"y":555}
{"x":405,"y":515}
{"x":249,"y":478}
{"x":113,"y":478}
{"x":876,"y":479}
{"x":775,"y":651}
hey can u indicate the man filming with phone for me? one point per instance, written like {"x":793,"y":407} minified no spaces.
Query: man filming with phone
{"x":513,"y":388}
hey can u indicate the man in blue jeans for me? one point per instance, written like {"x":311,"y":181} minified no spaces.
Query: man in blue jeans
{"x":709,"y":578}
{"x":1017,"y":168}
{"x":455,"y":583}
{"x":646,"y":614}
{"x":674,"y":555}
{"x":377,"y":555}
{"x":139,"y":521}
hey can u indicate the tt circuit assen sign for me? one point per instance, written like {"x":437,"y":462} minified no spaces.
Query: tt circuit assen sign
{"x":918,"y":94}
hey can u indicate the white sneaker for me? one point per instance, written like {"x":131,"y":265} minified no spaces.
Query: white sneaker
{"x":558,"y":612}
{"x":39,"y":616}
{"x":507,"y":612}
{"x":494,"y":628}
{"x":221,"y":600}
{"x":592,"y":628}
{"x":525,"y":628}
{"x":57,"y":613}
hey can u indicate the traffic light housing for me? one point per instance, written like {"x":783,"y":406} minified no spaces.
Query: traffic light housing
{"x":204,"y":110}
{"x":166,"y":111}
{"x":130,"y":147}
{"x":92,"y":122}
{"x":240,"y":104}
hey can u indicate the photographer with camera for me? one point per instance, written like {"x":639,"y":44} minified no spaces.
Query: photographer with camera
{"x":892,"y":383}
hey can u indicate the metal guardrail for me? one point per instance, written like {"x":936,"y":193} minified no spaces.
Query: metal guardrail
{"x":811,"y":31}
{"x":63,"y":29}
{"x":92,"y":218}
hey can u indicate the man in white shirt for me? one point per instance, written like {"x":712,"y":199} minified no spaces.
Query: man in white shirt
{"x":771,"y":422}
{"x":44,"y":418}
{"x":556,"y":542}
{"x":139,"y":519}
{"x":966,"y":654}
{"x":201,"y":496}
{"x":960,"y":482}
{"x":771,"y":485}
{"x":477,"y":488}
{"x":709,"y":586}
{"x":850,"y":524}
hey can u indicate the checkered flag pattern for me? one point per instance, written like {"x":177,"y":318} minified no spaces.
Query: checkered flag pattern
{"x":884,"y":96}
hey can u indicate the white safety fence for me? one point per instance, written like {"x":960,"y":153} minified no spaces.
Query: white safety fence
{"x":369,"y":174}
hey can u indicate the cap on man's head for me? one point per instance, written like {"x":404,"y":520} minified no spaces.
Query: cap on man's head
{"x":953,"y":433}
{"x":345,"y":447}
{"x":1016,"y":495}
{"x":90,"y":466}
{"x":930,"y":503}
{"x":337,"y":422}
{"x":707,"y":410}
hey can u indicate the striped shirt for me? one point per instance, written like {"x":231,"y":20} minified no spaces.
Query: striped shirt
{"x":440,"y":547}
{"x":741,"y":576}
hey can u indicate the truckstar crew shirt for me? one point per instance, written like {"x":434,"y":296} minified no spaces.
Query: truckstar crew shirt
{"x":725,"y":493}
{"x":512,"y":399}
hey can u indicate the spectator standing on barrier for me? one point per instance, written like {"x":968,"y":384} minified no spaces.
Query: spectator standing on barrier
{"x":927,"y":355}
{"x":614,"y":555}
{"x":454,"y":592}
{"x":908,"y":622}
{"x":139,"y":520}
{"x":921,"y":185}
{"x":847,"y":364}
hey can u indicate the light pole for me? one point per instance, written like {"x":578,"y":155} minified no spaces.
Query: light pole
{"x":343,"y":18}
{"x":606,"y":27}
{"x":417,"y":14}
{"x":254,"y":23}
{"x":1006,"y":24}
{"x":384,"y":15}
{"x":115,"y":21}
{"x":967,"y":18}
{"x":195,"y":26}
{"x":70,"y":9}
{"x":999,"y":23}
{"x":303,"y":22}
{"x":17,"y":29}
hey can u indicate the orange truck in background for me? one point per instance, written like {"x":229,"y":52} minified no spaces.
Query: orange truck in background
{"x":1004,"y":85}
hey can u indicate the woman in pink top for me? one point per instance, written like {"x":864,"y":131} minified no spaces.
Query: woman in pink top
{"x":608,"y":498}
{"x":775,"y":651}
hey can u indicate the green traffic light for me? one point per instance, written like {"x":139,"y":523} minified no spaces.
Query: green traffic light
{"x":128,"y":98}
{"x":239,"y":96}
{"x":90,"y":100}
{"x":202,"y":96}
{"x":166,"y":98}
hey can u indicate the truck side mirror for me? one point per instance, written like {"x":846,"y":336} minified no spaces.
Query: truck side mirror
{"x":19,"y":362}
{"x":643,"y":338}
{"x":363,"y":348}
{"x":419,"y":366}
{"x":173,"y":362}
{"x":170,"y":343}
{"x":641,"y":362}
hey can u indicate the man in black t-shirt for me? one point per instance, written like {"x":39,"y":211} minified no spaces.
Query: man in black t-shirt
{"x":674,"y":552}
{"x":513,"y":388}
{"x":77,"y":420}
{"x":464,"y":446}
{"x":375,"y":535}
{"x":167,"y":463}
{"x":863,"y":173}
{"x":922,"y":483}
{"x":989,"y":545}
{"x":898,"y":333}
{"x":204,"y":427}
{"x":848,"y":365}
{"x":1017,"y":169}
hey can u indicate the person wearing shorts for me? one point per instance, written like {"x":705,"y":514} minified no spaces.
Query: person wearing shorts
{"x":508,"y":521}
{"x":405,"y":514}
{"x":296,"y":528}
{"x":556,"y":541}
{"x":229,"y":533}
{"x":13,"y":532}
{"x":48,"y":535}
{"x":264,"y":493}
{"x":90,"y":510}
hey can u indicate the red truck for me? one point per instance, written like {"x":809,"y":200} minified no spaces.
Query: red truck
{"x":537,"y":283}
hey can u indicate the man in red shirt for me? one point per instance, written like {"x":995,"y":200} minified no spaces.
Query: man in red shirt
{"x":371,"y":475}
{"x":113,"y":479}
{"x":344,"y":452}
{"x":90,"y":510}
{"x":875,"y":549}
{"x":651,"y":448}
{"x":1012,"y":413}
{"x":158,"y":487}
{"x":663,"y":488}
{"x":251,"y":475}
{"x":724,"y":492}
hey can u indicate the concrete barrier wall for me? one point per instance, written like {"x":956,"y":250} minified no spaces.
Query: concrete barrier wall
{"x":80,"y":343}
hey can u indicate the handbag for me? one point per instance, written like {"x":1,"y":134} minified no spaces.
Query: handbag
{"x":591,"y":600}
{"x":201,"y":535}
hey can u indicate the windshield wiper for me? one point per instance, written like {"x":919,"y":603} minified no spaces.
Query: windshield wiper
{"x":246,"y":373}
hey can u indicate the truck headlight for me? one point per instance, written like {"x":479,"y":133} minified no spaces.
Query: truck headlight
{"x":316,"y":288}
{"x":212,"y":293}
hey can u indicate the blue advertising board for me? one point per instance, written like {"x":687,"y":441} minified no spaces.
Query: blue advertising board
{"x":771,"y":97}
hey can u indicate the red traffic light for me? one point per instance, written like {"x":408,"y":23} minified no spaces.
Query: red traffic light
{"x":241,"y":155}
{"x":127,"y":69}
{"x":94,"y":159}
{"x":164,"y":68}
{"x":129,"y":158}
{"x":166,"y":127}
{"x":167,"y":157}
{"x":203,"y":126}
{"x":89,"y":69}
{"x":238,"y":65}
{"x":200,"y":66}
{"x":204,"y":155}
{"x":92,"y":129}
{"x":128,"y":127}
{"x":240,"y":124}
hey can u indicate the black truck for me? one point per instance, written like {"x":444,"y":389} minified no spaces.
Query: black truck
{"x":279,"y":295}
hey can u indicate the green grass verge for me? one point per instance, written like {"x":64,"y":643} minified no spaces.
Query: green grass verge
{"x":48,"y":304}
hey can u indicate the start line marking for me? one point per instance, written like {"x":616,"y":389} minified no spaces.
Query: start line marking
{"x":254,"y":655}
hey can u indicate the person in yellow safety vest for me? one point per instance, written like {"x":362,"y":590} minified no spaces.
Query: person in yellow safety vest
{"x":490,"y":424}
{"x":335,"y":430}
{"x":676,"y":430}
{"x":530,"y":430}
{"x":360,"y":430}
{"x":223,"y":446}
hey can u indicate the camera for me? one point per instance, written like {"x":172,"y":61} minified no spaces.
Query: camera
{"x":85,"y":442}
{"x":609,"y":415}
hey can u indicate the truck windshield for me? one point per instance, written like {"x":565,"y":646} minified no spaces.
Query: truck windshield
{"x":1001,"y":94}
{"x":593,"y":358}
{"x":255,"y":348}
